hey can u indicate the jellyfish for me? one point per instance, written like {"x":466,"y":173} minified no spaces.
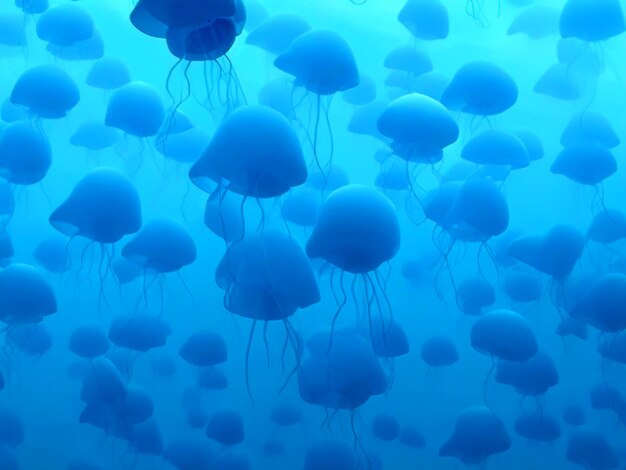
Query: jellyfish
{"x":25,"y":295}
{"x":89,"y":342}
{"x":531,"y":141}
{"x":25,"y":154}
{"x":425,"y":19}
{"x":574,"y":415}
{"x":212,"y":378}
{"x":189,"y":453}
{"x":411,"y":437}
{"x":388,"y":338}
{"x":362,"y":94}
{"x":408,"y":60}
{"x":12,"y":30}
{"x":300,"y":206}
{"x":529,"y":378}
{"x":474,"y":295}
{"x":276,"y":33}
{"x":32,"y":339}
{"x":439,"y":351}
{"x":585,"y":163}
{"x":285,"y":414}
{"x":184,"y":147}
{"x":330,"y":455}
{"x":558,"y":83}
{"x":65,"y":25}
{"x":538,"y":426}
{"x":385,"y":427}
{"x":203,"y":349}
{"x":231,"y":460}
{"x":494,"y":147}
{"x":145,"y":437}
{"x":47,"y":91}
{"x":89,"y":49}
{"x":11,"y":428}
{"x":591,"y":21}
{"x":603,"y":306}
{"x":591,"y":449}
{"x":606,"y":397}
{"x":364,"y":120}
{"x":223,"y":217}
{"x":592,"y":127}
{"x":226,"y":427}
{"x":8,"y":459}
{"x":140,"y":332}
{"x":536,"y":22}
{"x":478,"y":434}
{"x":523,"y":285}
{"x":94,"y":135}
{"x":136,"y":109}
{"x":608,"y":226}
{"x":321,"y":62}
{"x":569,"y":326}
{"x":108,"y":74}
{"x":504,"y":334}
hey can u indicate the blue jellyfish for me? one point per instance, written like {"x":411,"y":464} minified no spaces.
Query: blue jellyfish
{"x":285,"y":414}
{"x":411,"y":437}
{"x":475,"y":294}
{"x":89,"y":49}
{"x":65,"y":25}
{"x":300,"y":206}
{"x":592,"y":127}
{"x":189,"y":453}
{"x":388,"y":338}
{"x":409,"y":60}
{"x":136,"y":109}
{"x":226,"y":427}
{"x":603,"y":306}
{"x":364,"y":120}
{"x":32,"y":339}
{"x":223,"y":217}
{"x":532,"y":142}
{"x":495,"y":147}
{"x":606,"y":397}
{"x":12,"y":30}
{"x":504,"y":335}
{"x":591,"y":449}
{"x":276,"y":33}
{"x":538,"y":426}
{"x":276,"y":94}
{"x":523,"y":285}
{"x":362,"y":94}
{"x":585,"y":163}
{"x":212,"y":378}
{"x":574,"y":415}
{"x":25,"y":154}
{"x":439,"y":351}
{"x":529,"y":378}
{"x":614,"y":348}
{"x":89,"y":342}
{"x":94,"y":135}
{"x":425,"y":19}
{"x":330,"y":455}
{"x":256,"y":13}
{"x":108,"y":74}
{"x":608,"y":226}
{"x":230,"y":460}
{"x":145,"y":437}
{"x":385,"y":427}
{"x":203,"y":349}
{"x":557,"y":82}
{"x":25,"y":295}
{"x":536,"y":22}
{"x":184,"y":147}
{"x":139,"y":332}
{"x":591,"y":21}
{"x":47,"y":91}
{"x":6,"y":249}
{"x":478,"y":434}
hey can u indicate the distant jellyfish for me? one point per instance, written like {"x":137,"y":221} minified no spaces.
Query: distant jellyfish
{"x":322,"y":62}
{"x":557,"y":82}
{"x":533,"y":377}
{"x":6,"y":249}
{"x":277,"y":94}
{"x":222,"y":216}
{"x":25,"y":154}
{"x":88,"y":49}
{"x":411,"y":437}
{"x":504,"y":334}
{"x":183,"y":147}
{"x":94,"y":135}
{"x":574,"y":415}
{"x":585,"y":163}
{"x":425,"y":19}
{"x":364,"y":120}
{"x":300,"y":206}
{"x":474,"y":295}
{"x":385,"y":427}
{"x":538,"y":426}
{"x":32,"y":7}
{"x":603,"y":306}
{"x":285,"y":414}
{"x":388,"y":338}
{"x":47,"y":91}
{"x":11,"y":428}
{"x":523,"y":285}
{"x":25,"y":295}
{"x":276,"y":33}
{"x":136,"y":109}
{"x":256,"y":13}
{"x":613,"y":348}
{"x":203,"y":349}
{"x":12,"y":30}
{"x":357,"y":231}
{"x":330,"y":455}
{"x":212,"y":378}
{"x":478,"y":434}
{"x":140,"y":332}
{"x":532,"y":142}
{"x":535,"y":22}
{"x":410,"y":62}
{"x":495,"y":147}
{"x":608,"y":226}
{"x":362,"y":94}
{"x":108,"y":74}
{"x":145,"y":438}
{"x":591,"y":449}
{"x":65,"y":25}
{"x":591,"y":21}
{"x":31,"y":339}
{"x":226,"y":427}
{"x":591,"y":127}
{"x":89,"y":342}
{"x":439,"y":351}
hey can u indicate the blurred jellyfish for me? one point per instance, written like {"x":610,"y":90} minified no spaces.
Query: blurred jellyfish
{"x":425,"y":19}
{"x":108,"y":74}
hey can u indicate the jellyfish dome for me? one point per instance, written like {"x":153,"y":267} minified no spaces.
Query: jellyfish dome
{"x":608,"y":226}
{"x":226,"y":427}
{"x":209,"y":42}
{"x":529,"y":378}
{"x":385,"y":427}
{"x":186,"y":13}
{"x":407,"y":58}
{"x":254,"y":152}
{"x":591,"y":20}
{"x":356,"y":231}
{"x":495,"y":147}
{"x":162,"y":246}
{"x":65,"y":25}
{"x":475,"y":294}
{"x":25,"y":295}
{"x":439,"y":351}
{"x":388,"y":338}
{"x":411,"y":437}
{"x":481,"y":88}
{"x":32,"y":7}
{"x":139,"y":332}
{"x":603,"y":306}
{"x":204,"y":348}
{"x":276,"y":33}
{"x":12,"y":30}
{"x":538,"y":426}
{"x":108,"y":74}
{"x":189,"y":453}
{"x":321,"y":61}
{"x":591,"y":449}
{"x":419,"y":127}
{"x":589,"y":126}
{"x":25,"y":154}
{"x":532,"y":142}
{"x":47,"y":91}
{"x":104,"y":206}
{"x":89,"y":342}
{"x":585,"y":163}
{"x":425,"y":19}
{"x":478,"y":434}
{"x":136,"y":108}
{"x":505,"y":335}
{"x":535,"y":22}
{"x":94,"y":135}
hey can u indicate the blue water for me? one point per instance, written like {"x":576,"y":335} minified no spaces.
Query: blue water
{"x":288,"y":234}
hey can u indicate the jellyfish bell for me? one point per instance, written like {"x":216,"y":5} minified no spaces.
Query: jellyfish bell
{"x":25,"y":154}
{"x":206,"y":43}
{"x":65,"y":25}
{"x":108,"y":73}
{"x":136,"y":109}
{"x":529,"y":378}
{"x":425,"y":19}
{"x":603,"y":306}
{"x":585,"y":163}
{"x":538,"y":426}
{"x":94,"y":135}
{"x":589,"y":126}
{"x":276,"y":33}
{"x":25,"y":295}
{"x":590,"y":448}
{"x":505,"y":335}
{"x":591,"y":21}
{"x":439,"y":351}
{"x":495,"y":147}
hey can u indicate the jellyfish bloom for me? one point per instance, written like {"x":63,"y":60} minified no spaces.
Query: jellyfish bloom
{"x":530,"y":378}
{"x":356,"y":231}
{"x":591,"y":449}
{"x":136,"y":109}
{"x":504,"y":334}
{"x":139,"y":332}
{"x":25,"y":154}
{"x":606,"y":397}
{"x":388,"y":338}
{"x":145,"y":437}
{"x":25,"y":296}
{"x":32,"y":7}
{"x":425,"y":19}
{"x":254,"y":152}
{"x":536,"y":22}
{"x":589,"y":126}
{"x":89,"y":342}
{"x":104,"y":206}
{"x":276,"y":94}
{"x":161,"y":246}
{"x":95,"y":135}
{"x":385,"y":427}
{"x":226,"y":427}
{"x":478,"y":434}
{"x":591,"y":21}
{"x":559,"y":83}
{"x":11,"y":428}
{"x":47,"y":91}
{"x":108,"y":74}
{"x":89,"y":49}
{"x":603,"y":306}
{"x":321,"y":61}
{"x":538,"y":426}
{"x":32,"y":339}
{"x":585,"y":163}
{"x":494,"y":147}
{"x":419,"y":127}
{"x":223,"y":217}
{"x":439,"y":351}
{"x":276,"y":33}
{"x":203,"y":349}
{"x":65,"y":25}
{"x":614,"y":348}
{"x":300,"y":206}
{"x":211,"y":378}
{"x":364,"y":120}
{"x":480,"y":88}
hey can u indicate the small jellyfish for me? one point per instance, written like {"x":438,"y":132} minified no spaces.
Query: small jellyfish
{"x":529,"y":378}
{"x":25,"y":295}
{"x":557,"y":82}
{"x":475,"y":294}
{"x":32,"y":339}
{"x":276,"y":33}
{"x":591,"y":21}
{"x":504,"y":334}
{"x":139,"y":332}
{"x":591,"y":449}
{"x":385,"y":427}
{"x":589,"y":126}
{"x":65,"y":25}
{"x":411,"y":437}
{"x":94,"y":135}
{"x":330,"y":455}
{"x":89,"y":342}
{"x":495,"y":147}
{"x":25,"y":154}
{"x":585,"y":163}
{"x":226,"y":427}
{"x":108,"y":74}
{"x":136,"y":109}
{"x":425,"y":19}
{"x":189,"y":453}
{"x":538,"y":426}
{"x":439,"y":351}
{"x":536,"y":22}
{"x":11,"y":428}
{"x":603,"y":306}
{"x":203,"y":349}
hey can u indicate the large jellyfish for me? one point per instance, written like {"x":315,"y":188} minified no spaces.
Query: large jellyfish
{"x":65,"y":25}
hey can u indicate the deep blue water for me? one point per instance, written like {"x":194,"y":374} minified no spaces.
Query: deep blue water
{"x":288,"y":234}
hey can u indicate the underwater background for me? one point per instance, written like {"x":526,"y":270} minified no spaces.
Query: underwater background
{"x":323,"y":234}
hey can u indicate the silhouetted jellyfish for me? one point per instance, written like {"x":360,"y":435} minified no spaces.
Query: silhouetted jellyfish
{"x":411,"y":437}
{"x":183,"y":147}
{"x":529,"y":378}
{"x":569,"y":326}
{"x":32,"y":339}
{"x":11,"y":428}
{"x":585,"y":163}
{"x":189,"y":453}
{"x":6,"y":249}
{"x":25,"y":296}
{"x":136,"y":109}
{"x":613,"y":348}
{"x":362,"y":94}
{"x":589,"y":126}
{"x":212,"y":378}
{"x":495,"y":147}
{"x":581,"y":60}
{"x":591,"y":449}
{"x":480,"y":88}
{"x":89,"y":342}
{"x":32,"y":7}
{"x":505,"y":335}
{"x":364,"y":120}
{"x":300,"y":206}
{"x":255,"y":14}
{"x":273,"y":448}
{"x":12,"y":30}
{"x":536,"y":22}
{"x":25,"y":154}
{"x":557,"y":82}
{"x":523,"y":285}
{"x":606,"y":397}
{"x":65,"y":25}
{"x":230,"y":460}
{"x":538,"y":426}
{"x":276,"y":94}
{"x":385,"y":427}
{"x":393,"y":178}
{"x":125,"y":271}
{"x":531,"y":141}
{"x":285,"y":414}
{"x":89,"y":49}
{"x":408,"y":59}
{"x":608,"y":226}
{"x":425,"y":19}
{"x":108,"y":74}
{"x":95,"y":135}
{"x":145,"y":438}
{"x":591,"y":21}
{"x":139,"y":332}
{"x":388,"y":338}
{"x":226,"y":427}
{"x":333,"y":178}
{"x":419,"y":127}
{"x":603,"y":306}
{"x":222,"y":216}
{"x":439,"y":351}
{"x":475,"y":294}
{"x":574,"y":415}
{"x":12,"y":112}
{"x":330,"y":455}
{"x":276,"y":33}
{"x":478,"y":434}
{"x":204,"y":348}
{"x":47,"y":91}
{"x":321,"y":62}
